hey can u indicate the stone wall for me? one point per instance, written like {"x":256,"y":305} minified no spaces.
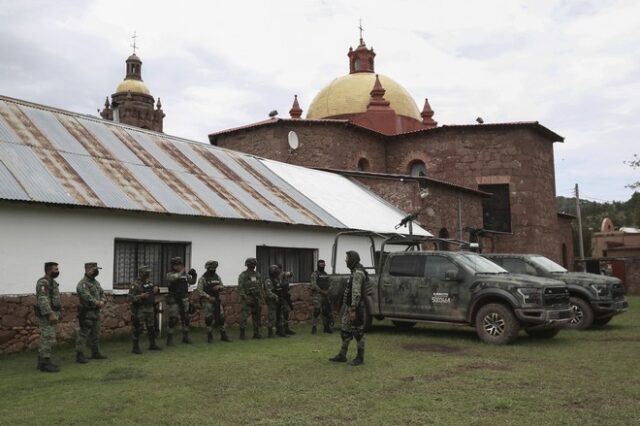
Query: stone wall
{"x":19,"y":326}
{"x":322,"y":144}
{"x":632,"y":276}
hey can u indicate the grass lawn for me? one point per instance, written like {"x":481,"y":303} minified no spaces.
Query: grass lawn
{"x":428,"y":375}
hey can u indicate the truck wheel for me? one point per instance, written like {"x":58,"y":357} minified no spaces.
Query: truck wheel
{"x":602,"y":321}
{"x":582,"y":314}
{"x":403,"y":324}
{"x":496,"y":324}
{"x":548,"y":333}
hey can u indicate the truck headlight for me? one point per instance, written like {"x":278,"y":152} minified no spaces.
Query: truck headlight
{"x":531,"y":295}
{"x":600,"y":289}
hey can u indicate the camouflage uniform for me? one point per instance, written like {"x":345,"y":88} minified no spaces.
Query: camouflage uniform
{"x":251,"y":297}
{"x":353,"y":304}
{"x":321,"y":301}
{"x":91,"y":294}
{"x":270,"y":286}
{"x":178,"y":301}
{"x":209,"y":287}
{"x":143,"y":309}
{"x":284,"y":303}
{"x":47,"y":302}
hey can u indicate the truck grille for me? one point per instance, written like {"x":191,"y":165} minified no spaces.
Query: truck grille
{"x":617,"y":291}
{"x":555,"y":296}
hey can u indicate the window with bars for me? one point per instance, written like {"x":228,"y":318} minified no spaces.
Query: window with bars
{"x":131,"y":254}
{"x":300,"y":261}
{"x":496,"y":210}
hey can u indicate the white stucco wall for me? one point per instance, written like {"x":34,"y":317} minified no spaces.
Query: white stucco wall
{"x":32,"y":234}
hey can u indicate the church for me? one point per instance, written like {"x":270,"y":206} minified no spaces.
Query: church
{"x":490,"y":183}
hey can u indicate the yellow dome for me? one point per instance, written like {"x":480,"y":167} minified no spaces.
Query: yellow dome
{"x":350,"y":94}
{"x":133,"y":86}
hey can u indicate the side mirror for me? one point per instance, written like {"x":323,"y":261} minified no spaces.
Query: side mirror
{"x":452,"y":275}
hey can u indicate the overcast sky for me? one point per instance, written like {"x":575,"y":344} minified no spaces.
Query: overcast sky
{"x":571,"y":65}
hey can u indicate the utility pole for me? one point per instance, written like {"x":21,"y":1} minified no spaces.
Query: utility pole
{"x":580,"y":241}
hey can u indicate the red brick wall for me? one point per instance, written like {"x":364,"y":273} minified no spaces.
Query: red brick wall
{"x":518,"y":157}
{"x":19,"y":326}
{"x":327,"y":145}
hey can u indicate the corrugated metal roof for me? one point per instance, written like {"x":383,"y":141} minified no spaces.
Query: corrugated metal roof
{"x":53,"y":156}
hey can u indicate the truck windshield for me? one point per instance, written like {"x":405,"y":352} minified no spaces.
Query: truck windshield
{"x":548,"y":265}
{"x":480,"y":265}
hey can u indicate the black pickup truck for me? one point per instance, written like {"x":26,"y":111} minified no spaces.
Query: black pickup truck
{"x":409,"y":285}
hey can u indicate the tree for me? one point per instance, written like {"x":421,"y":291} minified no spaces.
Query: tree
{"x":635,"y":164}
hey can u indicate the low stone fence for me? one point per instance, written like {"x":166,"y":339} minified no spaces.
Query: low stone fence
{"x":19,"y":325}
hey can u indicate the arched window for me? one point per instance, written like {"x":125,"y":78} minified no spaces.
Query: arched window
{"x":363,"y":165}
{"x":357,"y":64}
{"x":417,"y":168}
{"x":444,"y":233}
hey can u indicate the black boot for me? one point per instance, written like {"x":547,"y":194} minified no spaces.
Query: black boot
{"x":288,"y":331}
{"x":152,"y":343}
{"x":242,"y":334}
{"x":95,"y":354}
{"x":280,"y":331}
{"x":314,"y":330}
{"x":339,"y":358}
{"x":185,"y":337}
{"x":80,"y":359}
{"x":209,"y":337}
{"x":169,"y":339}
{"x":359,"y":359}
{"x":270,"y":332}
{"x":224,"y":337}
{"x":256,"y":333}
{"x":136,"y":347}
{"x":47,"y":367}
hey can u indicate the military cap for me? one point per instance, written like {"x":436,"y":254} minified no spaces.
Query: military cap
{"x":212,"y":263}
{"x":91,"y":265}
{"x":177,"y":261}
{"x":144,"y":268}
{"x":250,"y":260}
{"x":48,"y":265}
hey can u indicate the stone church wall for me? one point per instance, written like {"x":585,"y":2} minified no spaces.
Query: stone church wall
{"x":19,"y":326}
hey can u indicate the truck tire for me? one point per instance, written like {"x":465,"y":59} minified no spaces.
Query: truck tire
{"x":582,"y":314}
{"x":403,"y":324}
{"x":548,"y":333}
{"x":496,"y":324}
{"x":602,"y":320}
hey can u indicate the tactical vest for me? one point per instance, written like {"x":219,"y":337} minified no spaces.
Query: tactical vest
{"x":147,"y":287}
{"x":346,"y":299}
{"x":179,"y":286}
{"x":209,"y":286}
{"x":322,"y":280}
{"x":252,"y":284}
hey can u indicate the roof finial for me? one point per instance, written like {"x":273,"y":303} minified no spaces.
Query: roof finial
{"x":134,"y":37}
{"x":295,"y":112}
{"x":427,"y":114}
{"x":361,"y":30}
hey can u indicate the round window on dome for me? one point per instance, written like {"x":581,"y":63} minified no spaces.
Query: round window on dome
{"x":363,"y":165}
{"x":417,"y":168}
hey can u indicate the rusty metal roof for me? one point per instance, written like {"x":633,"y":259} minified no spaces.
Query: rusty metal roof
{"x":53,"y":156}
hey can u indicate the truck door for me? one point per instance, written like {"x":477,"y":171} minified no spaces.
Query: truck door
{"x":399,"y":286}
{"x":444,"y":298}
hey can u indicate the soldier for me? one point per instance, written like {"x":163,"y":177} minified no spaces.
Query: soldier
{"x":321,"y":300}
{"x":271,"y":288}
{"x":178,"y":299}
{"x":284,"y":305}
{"x":353,"y":310}
{"x":48,"y":311}
{"x":251,"y":297}
{"x":91,"y":300}
{"x":209,"y":287}
{"x":143,"y":309}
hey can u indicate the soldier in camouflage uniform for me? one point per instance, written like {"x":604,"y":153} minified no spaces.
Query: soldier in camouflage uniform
{"x":251,"y":297}
{"x":48,"y":311}
{"x":321,"y":300}
{"x":178,"y":299}
{"x":91,"y":300}
{"x":353,"y":310}
{"x":143,"y":309}
{"x":271,"y":288}
{"x":284,"y":303}
{"x":209,"y":287}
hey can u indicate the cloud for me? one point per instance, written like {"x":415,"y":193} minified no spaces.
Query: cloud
{"x":570,"y":65}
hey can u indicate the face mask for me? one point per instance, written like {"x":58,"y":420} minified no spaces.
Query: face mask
{"x":96,"y":273}
{"x":55,"y":274}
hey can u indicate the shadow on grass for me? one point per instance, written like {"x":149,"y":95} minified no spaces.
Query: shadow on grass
{"x":462,"y":333}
